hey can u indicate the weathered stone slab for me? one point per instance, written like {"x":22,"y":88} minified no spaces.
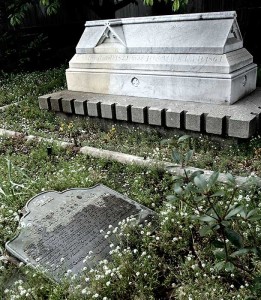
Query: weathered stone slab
{"x":44,"y":102}
{"x":94,"y":108}
{"x":123,"y":112}
{"x":174,"y":117}
{"x":139,"y":114}
{"x":67,"y":105}
{"x":215,"y":124}
{"x":197,"y":57}
{"x":194,"y":121}
{"x":242,"y":126}
{"x":175,"y":34}
{"x":201,"y":63}
{"x":60,"y":229}
{"x":108,"y":110}
{"x":56,"y":104}
{"x":198,"y":117}
{"x":80,"y":107}
{"x":156,"y":116}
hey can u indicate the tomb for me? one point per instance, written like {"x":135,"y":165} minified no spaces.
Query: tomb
{"x":182,"y":72}
{"x":195,"y":58}
{"x":59,"y":230}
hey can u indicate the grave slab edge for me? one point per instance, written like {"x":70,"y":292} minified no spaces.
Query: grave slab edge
{"x":193,"y":119}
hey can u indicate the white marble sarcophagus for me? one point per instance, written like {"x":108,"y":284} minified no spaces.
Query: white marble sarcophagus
{"x":195,"y":57}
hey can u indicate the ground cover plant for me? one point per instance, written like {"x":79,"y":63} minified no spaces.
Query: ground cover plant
{"x":15,"y":87}
{"x":240,"y":159}
{"x":205,"y":242}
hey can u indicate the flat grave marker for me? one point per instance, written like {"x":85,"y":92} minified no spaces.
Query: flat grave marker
{"x":60,"y":229}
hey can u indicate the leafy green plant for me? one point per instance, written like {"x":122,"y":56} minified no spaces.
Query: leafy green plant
{"x":176,"y":4}
{"x":222,"y":215}
{"x":18,"y":9}
{"x":13,"y":189}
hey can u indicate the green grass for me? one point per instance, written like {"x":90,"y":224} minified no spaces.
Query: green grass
{"x":242,"y":159}
{"x":152,"y":264}
{"x":170,"y":260}
{"x":24,"y":86}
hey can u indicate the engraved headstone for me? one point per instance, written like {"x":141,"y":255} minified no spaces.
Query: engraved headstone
{"x":60,"y":229}
{"x":195,"y":57}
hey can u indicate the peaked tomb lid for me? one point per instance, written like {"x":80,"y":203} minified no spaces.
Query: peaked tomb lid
{"x":210,"y":33}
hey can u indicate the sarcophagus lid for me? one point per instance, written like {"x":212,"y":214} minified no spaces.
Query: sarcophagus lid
{"x":195,"y":57}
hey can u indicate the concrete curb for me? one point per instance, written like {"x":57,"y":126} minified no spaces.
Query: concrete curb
{"x":131,"y":159}
{"x":5,"y":107}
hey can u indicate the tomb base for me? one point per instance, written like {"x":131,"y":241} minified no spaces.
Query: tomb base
{"x":240,"y":120}
{"x":183,"y":86}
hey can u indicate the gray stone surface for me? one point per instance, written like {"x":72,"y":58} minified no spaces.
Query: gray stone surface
{"x":123,"y":112}
{"x":60,"y":229}
{"x":108,"y":110}
{"x":174,"y":117}
{"x":195,"y":87}
{"x":214,"y":119}
{"x":175,"y":34}
{"x":67,"y":105}
{"x":242,"y":126}
{"x":156,"y":116}
{"x":215,"y":123}
{"x":56,"y":104}
{"x":44,"y":102}
{"x":139,"y":114}
{"x":198,"y":58}
{"x":94,"y":108}
{"x":80,"y":107}
{"x":211,"y":63}
{"x":194,"y":121}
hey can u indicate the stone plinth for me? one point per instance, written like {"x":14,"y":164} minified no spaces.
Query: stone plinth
{"x":197,"y":57}
{"x":241,"y":120}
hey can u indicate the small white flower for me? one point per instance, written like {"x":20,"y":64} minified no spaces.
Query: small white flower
{"x":108,"y":283}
